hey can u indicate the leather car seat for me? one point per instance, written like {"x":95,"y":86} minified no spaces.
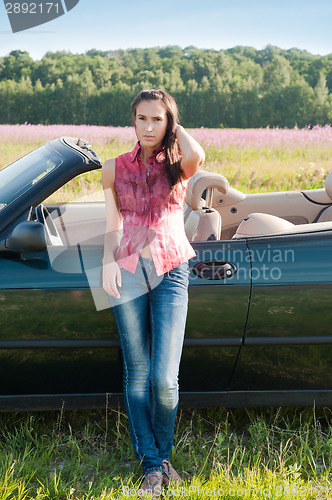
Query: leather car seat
{"x":202,"y":222}
{"x":261,"y":224}
{"x":326,"y":212}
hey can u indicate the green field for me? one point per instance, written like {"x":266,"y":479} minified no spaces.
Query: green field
{"x":253,"y":160}
{"x":270,"y":453}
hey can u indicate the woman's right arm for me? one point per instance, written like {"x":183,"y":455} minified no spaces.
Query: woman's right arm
{"x":111,"y":270}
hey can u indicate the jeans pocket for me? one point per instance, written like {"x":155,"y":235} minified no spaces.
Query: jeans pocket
{"x":179,"y":274}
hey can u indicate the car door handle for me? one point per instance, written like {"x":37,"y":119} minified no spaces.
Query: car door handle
{"x":214,"y":269}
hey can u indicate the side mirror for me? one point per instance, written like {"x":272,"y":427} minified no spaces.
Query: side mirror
{"x":26,"y":237}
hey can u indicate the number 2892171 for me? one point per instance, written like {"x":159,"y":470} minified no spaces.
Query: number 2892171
{"x":32,"y":8}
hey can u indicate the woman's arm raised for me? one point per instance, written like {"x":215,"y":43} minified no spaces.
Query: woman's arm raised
{"x":193,"y":155}
{"x":111,"y":270}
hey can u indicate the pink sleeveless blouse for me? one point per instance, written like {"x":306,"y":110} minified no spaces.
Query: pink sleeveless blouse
{"x":150,"y":209}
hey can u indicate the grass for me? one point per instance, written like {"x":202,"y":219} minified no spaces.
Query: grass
{"x":256,"y":453}
{"x":249,"y":171}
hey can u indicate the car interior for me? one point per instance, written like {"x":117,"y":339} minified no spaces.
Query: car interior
{"x":213,"y":211}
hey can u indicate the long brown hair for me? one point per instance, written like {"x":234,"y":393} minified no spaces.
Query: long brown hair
{"x":172,"y":150}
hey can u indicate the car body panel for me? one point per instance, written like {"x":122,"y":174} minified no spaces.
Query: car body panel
{"x":288,"y":342}
{"x":56,"y":319}
{"x":216,"y":319}
{"x":258,"y":328}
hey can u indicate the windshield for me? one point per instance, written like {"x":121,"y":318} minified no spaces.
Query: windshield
{"x":25,"y":173}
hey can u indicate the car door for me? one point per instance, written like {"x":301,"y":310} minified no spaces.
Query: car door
{"x":52,"y":341}
{"x":58,"y":334}
{"x":52,"y":338}
{"x":287,"y":351}
{"x":218,"y":304}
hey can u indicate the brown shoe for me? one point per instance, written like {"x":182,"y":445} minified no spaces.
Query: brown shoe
{"x":152,"y":484}
{"x":170,"y":473}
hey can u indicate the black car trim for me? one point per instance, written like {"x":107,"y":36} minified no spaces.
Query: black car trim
{"x":320,"y":213}
{"x":88,"y":344}
{"x":319,"y":340}
{"x":278,"y":398}
{"x":57,"y":344}
{"x":202,"y":342}
{"x":46,"y":402}
{"x":84,"y":150}
{"x":313,"y":201}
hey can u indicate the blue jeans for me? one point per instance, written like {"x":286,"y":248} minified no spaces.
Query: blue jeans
{"x":150,"y":318}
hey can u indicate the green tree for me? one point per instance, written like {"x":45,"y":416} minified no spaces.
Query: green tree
{"x":322,"y":102}
{"x":238,"y":87}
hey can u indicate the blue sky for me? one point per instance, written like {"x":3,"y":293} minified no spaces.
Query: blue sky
{"x":216,"y":24}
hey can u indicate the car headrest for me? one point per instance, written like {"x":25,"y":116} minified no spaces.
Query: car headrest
{"x":199,"y":182}
{"x":328,"y":185}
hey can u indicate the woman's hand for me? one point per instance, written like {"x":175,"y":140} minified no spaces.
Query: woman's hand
{"x":111,"y":277}
{"x":192,"y":153}
{"x":177,"y":128}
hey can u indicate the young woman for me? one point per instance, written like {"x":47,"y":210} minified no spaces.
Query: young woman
{"x":145,"y":273}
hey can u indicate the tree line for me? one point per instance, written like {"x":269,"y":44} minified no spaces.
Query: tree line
{"x":239,"y":87}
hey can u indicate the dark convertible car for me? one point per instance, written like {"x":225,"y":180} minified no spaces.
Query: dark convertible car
{"x":259,"y":328}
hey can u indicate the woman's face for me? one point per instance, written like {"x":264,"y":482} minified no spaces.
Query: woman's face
{"x":150,"y":123}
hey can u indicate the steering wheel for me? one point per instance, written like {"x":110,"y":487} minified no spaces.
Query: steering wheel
{"x":52,"y":234}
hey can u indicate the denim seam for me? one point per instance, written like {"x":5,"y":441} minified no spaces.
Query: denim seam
{"x":152,"y":368}
{"x":145,"y":274}
{"x":130,"y":412}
